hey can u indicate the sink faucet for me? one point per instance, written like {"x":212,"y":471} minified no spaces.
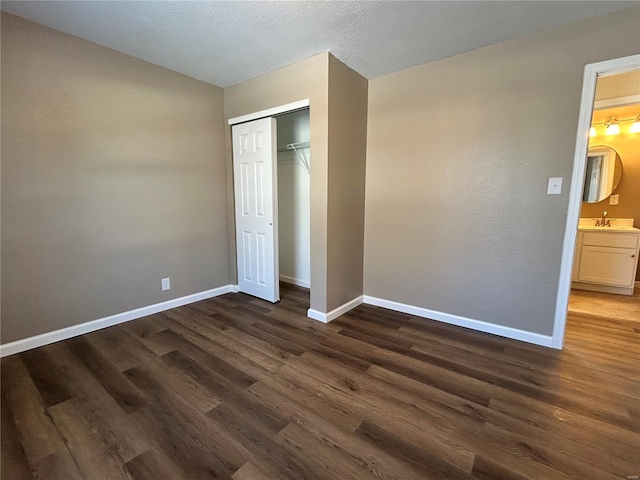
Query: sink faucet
{"x":603,"y":222}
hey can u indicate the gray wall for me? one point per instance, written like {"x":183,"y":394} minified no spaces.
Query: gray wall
{"x":459,"y":154}
{"x":348,"y":92}
{"x":113,"y":176}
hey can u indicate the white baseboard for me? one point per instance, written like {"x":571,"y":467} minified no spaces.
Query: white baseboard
{"x":336,"y":312}
{"x":75,"y":330}
{"x":295,"y":281}
{"x":479,"y":325}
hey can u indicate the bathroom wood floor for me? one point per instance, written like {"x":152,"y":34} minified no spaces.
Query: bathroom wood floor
{"x":607,"y":305}
{"x":236,"y":387}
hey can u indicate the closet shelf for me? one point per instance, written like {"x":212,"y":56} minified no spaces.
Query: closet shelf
{"x":299,"y":145}
{"x":294,"y":146}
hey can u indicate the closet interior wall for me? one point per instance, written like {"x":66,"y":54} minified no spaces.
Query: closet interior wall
{"x":293,"y":198}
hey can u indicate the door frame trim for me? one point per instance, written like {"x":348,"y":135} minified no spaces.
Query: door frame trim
{"x":592,"y":72}
{"x":270,"y":112}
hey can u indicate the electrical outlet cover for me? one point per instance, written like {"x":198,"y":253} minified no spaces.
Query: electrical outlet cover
{"x":614,"y":199}
{"x":166,"y":284}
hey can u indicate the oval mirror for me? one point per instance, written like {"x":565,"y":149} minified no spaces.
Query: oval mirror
{"x":604,"y":171}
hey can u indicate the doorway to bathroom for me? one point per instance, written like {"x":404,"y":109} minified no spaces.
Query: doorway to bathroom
{"x":605,"y":261}
{"x":601,"y":276}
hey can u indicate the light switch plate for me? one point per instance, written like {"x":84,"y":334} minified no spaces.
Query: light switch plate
{"x":614,"y":199}
{"x":555,"y":186}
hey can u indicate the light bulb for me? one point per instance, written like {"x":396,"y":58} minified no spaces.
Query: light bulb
{"x":592,"y":131}
{"x":635,"y":126}
{"x":613,"y":129}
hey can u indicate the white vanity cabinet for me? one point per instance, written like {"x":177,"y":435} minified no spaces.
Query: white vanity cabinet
{"x":606,"y":259}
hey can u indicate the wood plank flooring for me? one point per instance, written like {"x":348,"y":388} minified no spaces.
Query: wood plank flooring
{"x":234,"y":387}
{"x":615,"y":307}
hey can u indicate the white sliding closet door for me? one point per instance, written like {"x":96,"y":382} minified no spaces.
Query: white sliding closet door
{"x":255,"y":185}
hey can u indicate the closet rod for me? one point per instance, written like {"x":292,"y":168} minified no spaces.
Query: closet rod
{"x":295,"y":146}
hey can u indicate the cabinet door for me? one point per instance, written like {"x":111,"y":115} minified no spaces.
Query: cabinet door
{"x":607,"y":265}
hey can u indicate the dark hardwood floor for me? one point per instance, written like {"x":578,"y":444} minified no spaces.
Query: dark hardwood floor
{"x":237,"y":387}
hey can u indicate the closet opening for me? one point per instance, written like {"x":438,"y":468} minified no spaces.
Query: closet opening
{"x":271,"y":173}
{"x":294,"y":222}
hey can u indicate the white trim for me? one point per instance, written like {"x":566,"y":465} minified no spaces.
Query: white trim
{"x":591,"y":74}
{"x":616,"y":102}
{"x":270,"y":112}
{"x":479,"y":325}
{"x":93,"y":325}
{"x":295,"y":281}
{"x":336,"y":312}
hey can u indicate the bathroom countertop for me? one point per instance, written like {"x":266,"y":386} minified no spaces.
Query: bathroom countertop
{"x":592,"y":228}
{"x":617,"y":225}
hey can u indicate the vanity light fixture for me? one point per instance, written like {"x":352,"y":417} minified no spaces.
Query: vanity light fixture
{"x":612,"y":126}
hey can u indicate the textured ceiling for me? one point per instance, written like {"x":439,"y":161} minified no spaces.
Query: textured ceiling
{"x":228,"y":42}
